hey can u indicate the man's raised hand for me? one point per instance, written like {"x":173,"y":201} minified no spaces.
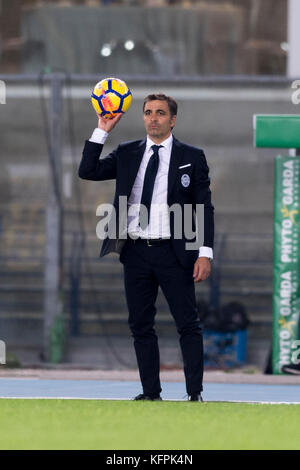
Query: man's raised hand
{"x":108,"y":124}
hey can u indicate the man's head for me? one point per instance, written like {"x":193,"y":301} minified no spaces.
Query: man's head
{"x":159,"y":116}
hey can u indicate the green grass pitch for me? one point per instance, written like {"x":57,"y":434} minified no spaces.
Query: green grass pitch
{"x":166,"y":425}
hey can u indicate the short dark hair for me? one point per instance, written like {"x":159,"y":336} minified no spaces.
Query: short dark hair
{"x":161,"y":97}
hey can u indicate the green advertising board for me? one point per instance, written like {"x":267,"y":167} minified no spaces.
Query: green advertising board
{"x":276,"y":130}
{"x":286,"y":280}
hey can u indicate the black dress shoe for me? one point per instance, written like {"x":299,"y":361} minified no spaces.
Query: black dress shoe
{"x":195,"y":397}
{"x":142,"y":396}
{"x":291,"y":369}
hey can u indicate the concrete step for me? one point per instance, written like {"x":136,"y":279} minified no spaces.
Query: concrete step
{"x":258,"y":305}
{"x":111,"y":269}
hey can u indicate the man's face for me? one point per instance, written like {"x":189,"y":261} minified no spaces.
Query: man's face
{"x":157,"y":119}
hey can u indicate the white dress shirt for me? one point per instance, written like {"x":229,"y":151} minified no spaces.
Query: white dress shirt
{"x":159,"y":223}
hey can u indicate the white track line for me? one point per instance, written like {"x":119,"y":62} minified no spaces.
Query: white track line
{"x":164,"y":400}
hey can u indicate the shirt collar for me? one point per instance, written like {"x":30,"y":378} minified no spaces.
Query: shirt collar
{"x":166,"y":143}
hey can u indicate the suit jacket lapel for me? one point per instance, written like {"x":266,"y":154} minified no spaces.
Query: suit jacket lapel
{"x":176,"y":157}
{"x":133,"y":165}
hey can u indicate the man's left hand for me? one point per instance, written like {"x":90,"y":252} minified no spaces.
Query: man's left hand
{"x":202,"y":268}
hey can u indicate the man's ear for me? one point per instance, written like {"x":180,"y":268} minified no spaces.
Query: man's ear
{"x":173,"y":120}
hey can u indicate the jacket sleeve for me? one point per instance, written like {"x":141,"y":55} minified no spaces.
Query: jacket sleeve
{"x":202,"y":195}
{"x":94,"y":168}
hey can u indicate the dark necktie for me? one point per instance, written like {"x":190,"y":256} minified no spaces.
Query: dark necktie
{"x":150,"y":175}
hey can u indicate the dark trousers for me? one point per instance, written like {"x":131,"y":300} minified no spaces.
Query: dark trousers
{"x":145,"y":269}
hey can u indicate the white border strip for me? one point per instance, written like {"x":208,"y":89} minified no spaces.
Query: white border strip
{"x":190,"y":93}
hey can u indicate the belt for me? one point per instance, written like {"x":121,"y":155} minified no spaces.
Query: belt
{"x":152,"y":241}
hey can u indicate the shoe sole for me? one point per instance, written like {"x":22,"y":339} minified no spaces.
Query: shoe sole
{"x":147,"y":399}
{"x":292,"y":371}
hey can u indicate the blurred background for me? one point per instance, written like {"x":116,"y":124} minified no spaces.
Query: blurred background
{"x":222,"y":61}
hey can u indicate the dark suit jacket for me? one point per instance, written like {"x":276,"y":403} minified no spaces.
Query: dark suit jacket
{"x":123,"y":164}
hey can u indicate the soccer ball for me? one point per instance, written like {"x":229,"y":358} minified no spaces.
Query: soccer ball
{"x":110,"y":97}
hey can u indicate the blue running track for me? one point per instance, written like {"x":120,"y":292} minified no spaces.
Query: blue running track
{"x":126,"y":390}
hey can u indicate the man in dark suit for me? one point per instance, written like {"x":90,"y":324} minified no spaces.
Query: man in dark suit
{"x":157,"y":174}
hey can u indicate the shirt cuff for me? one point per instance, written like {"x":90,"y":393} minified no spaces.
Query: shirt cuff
{"x":98,"y":136}
{"x":206,"y":251}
